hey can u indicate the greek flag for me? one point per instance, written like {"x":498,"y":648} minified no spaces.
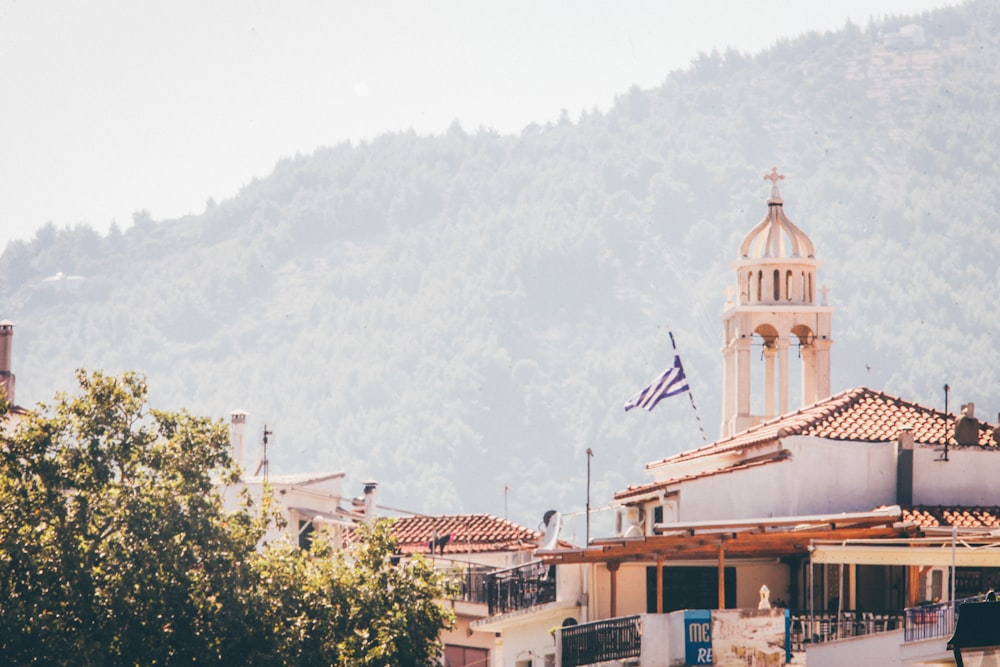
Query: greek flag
{"x":670,"y":383}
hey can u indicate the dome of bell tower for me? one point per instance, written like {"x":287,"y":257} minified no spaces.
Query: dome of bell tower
{"x":777,"y":264}
{"x":775,"y":235}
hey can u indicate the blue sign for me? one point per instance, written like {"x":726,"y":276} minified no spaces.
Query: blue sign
{"x":698,"y":637}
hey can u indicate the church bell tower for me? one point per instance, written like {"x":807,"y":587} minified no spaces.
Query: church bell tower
{"x":775,"y":309}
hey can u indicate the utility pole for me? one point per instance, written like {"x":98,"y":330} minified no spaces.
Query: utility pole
{"x":590,"y":455}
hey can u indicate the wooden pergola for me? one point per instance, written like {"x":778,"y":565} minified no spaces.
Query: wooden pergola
{"x":731,"y":540}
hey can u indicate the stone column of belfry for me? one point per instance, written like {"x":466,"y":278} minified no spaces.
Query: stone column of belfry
{"x":775,"y":275}
{"x":770,"y":352}
{"x":808,"y":352}
{"x":742,"y":379}
{"x":782,"y":345}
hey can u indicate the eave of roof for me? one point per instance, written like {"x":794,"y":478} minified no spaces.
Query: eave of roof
{"x":747,"y":538}
{"x":294,"y":478}
{"x":653,"y":488}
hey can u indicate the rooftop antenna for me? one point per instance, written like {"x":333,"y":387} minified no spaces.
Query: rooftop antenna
{"x":590,"y":455}
{"x":262,"y":464}
{"x":946,"y":390}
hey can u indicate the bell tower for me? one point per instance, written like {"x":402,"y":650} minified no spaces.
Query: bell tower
{"x":775,"y":309}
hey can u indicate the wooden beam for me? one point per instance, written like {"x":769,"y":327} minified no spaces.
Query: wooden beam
{"x":613,"y":569}
{"x":659,"y":585}
{"x":722,"y":575}
{"x":896,"y":555}
{"x":771,"y":544}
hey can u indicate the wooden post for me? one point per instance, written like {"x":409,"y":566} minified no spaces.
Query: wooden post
{"x":659,"y":585}
{"x":613,"y":569}
{"x":722,"y":574}
{"x":913,"y":585}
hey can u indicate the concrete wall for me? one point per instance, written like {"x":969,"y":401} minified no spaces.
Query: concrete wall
{"x":968,"y":477}
{"x":528,"y":642}
{"x":801,"y":484}
{"x":879,"y":649}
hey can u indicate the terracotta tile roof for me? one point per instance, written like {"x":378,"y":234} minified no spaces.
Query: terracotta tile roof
{"x":933,"y":516}
{"x":652,"y":487}
{"x":860,"y":415}
{"x":468,"y":532}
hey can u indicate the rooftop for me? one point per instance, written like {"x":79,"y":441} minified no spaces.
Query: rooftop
{"x":465,"y":533}
{"x":855,"y":415}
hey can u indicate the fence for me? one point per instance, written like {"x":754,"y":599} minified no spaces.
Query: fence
{"x":520,"y":587}
{"x":614,"y":639}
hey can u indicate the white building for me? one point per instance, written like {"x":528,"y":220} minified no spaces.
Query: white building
{"x":306,"y":501}
{"x":851,"y":510}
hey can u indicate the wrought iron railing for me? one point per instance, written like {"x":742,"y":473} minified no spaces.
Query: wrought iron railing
{"x":469,"y":584}
{"x":930,"y":621}
{"x":614,"y":639}
{"x":520,"y":587}
{"x":923,"y":622}
{"x":812,"y":628}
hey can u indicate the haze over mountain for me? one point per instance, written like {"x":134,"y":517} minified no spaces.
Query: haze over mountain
{"x":454,"y":314}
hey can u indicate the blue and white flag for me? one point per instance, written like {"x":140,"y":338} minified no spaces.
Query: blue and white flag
{"x":670,"y":383}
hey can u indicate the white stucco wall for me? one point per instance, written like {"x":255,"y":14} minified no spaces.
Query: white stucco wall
{"x":969,"y":476}
{"x":880,"y":649}
{"x":529,"y":640}
{"x":820,"y":476}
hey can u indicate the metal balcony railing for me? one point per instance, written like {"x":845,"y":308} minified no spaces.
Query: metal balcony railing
{"x":520,"y":587}
{"x":933,"y":620}
{"x":812,"y":628}
{"x":470,"y":584}
{"x":614,"y":639}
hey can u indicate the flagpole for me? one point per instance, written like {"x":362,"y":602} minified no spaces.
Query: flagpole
{"x":694,"y":407}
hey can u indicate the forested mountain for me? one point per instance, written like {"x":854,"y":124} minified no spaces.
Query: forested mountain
{"x":454,"y":314}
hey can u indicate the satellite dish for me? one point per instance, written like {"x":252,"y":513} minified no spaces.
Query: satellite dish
{"x":552,"y":522}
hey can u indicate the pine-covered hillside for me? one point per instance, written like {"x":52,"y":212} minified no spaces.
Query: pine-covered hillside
{"x":454,"y":314}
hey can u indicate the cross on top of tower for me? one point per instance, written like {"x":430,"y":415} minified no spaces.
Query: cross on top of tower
{"x":774,"y":177}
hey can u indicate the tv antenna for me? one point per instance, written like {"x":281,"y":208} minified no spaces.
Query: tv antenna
{"x":262,"y":464}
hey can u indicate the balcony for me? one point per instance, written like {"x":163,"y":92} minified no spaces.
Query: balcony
{"x":470,"y":584}
{"x":918,"y":623}
{"x":933,"y":620}
{"x":677,"y":638}
{"x":520,"y":587}
{"x":813,"y":628}
{"x":602,"y":641}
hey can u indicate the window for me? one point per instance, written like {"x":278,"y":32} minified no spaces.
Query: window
{"x":788,"y":285}
{"x":466,"y":656}
{"x":306,"y":530}
{"x":776,"y":286}
{"x":690,"y":588}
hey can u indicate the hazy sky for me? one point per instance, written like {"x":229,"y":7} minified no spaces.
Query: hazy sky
{"x":109,"y":107}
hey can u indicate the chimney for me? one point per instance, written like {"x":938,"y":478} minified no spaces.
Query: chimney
{"x":370,"y":487}
{"x":237,"y":435}
{"x":967,"y":426}
{"x":904,"y":466}
{"x":6,"y":346}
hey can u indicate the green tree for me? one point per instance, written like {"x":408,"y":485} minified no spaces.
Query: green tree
{"x":359,"y":607}
{"x":115,"y":549}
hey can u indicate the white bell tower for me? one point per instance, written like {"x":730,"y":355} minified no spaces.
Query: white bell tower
{"x":775,"y":308}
